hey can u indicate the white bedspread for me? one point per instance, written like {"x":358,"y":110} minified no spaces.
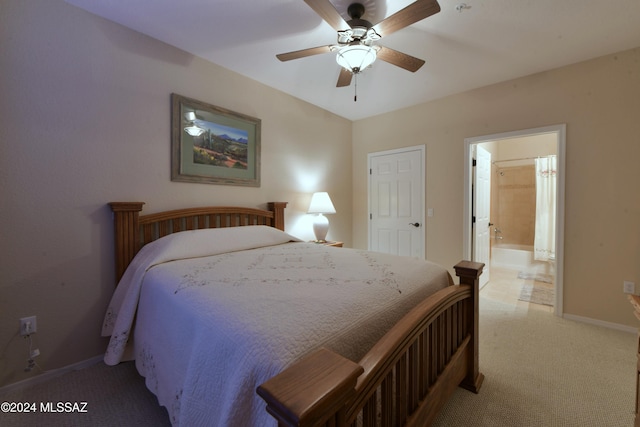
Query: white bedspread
{"x":218,"y":312}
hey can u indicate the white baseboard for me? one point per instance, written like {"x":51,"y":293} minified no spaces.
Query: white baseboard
{"x":602,"y":323}
{"x":47,"y":375}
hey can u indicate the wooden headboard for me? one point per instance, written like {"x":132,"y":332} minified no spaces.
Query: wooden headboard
{"x":133,"y":231}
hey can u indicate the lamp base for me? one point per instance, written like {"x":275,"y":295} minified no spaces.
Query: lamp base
{"x":320,"y":227}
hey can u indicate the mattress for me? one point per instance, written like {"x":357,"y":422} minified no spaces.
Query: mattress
{"x":218,"y":312}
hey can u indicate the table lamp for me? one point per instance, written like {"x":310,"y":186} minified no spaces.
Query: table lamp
{"x":321,"y":204}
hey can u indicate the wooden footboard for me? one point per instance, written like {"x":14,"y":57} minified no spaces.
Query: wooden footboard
{"x":405,"y":379}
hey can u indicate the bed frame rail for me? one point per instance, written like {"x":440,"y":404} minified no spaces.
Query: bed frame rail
{"x":404,"y":380}
{"x":133,"y":231}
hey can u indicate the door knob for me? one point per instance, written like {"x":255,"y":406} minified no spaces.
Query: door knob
{"x":415,"y":224}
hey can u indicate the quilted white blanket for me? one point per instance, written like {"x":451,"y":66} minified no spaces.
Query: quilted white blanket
{"x":218,"y":312}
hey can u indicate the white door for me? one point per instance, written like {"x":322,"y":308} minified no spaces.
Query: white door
{"x":396,"y":202}
{"x":482,"y":211}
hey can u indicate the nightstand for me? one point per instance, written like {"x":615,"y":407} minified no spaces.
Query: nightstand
{"x":329,"y":243}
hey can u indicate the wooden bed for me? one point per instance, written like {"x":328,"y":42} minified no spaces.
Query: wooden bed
{"x":405,"y":379}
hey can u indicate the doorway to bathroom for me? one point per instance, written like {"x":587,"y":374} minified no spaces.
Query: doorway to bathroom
{"x":523,"y":233}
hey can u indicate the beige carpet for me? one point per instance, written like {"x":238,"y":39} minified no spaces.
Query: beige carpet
{"x":541,"y":370}
{"x":115,"y":395}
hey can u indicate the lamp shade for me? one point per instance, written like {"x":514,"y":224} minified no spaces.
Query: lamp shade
{"x":321,"y":203}
{"x":356,"y":57}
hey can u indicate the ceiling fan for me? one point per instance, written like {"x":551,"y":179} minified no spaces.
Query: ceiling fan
{"x":356,"y":48}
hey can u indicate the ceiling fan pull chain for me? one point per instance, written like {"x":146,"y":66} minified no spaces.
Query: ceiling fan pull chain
{"x":355,"y":95}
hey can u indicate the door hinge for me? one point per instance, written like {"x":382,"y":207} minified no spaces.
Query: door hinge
{"x":473,"y":219}
{"x":474,"y":162}
{"x":370,"y":171}
{"x":370,"y":216}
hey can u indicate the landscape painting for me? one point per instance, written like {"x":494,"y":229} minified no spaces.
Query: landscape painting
{"x":220,"y":145}
{"x":213,"y":145}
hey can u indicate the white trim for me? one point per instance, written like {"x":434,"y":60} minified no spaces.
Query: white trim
{"x":596,"y":322}
{"x":48,"y":375}
{"x":423,"y":156}
{"x":561,"y":131}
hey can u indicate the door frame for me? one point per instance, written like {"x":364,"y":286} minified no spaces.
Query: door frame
{"x":560,"y":131}
{"x":423,"y":150}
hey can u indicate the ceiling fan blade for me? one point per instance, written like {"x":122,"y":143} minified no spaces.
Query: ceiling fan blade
{"x":416,"y":11}
{"x":402,"y":60}
{"x":303,"y":53}
{"x":344,"y":79}
{"x":325,"y":9}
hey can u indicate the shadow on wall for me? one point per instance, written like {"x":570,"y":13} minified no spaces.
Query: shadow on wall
{"x":69,"y":300}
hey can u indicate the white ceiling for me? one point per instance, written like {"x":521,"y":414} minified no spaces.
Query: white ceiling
{"x":489,"y":42}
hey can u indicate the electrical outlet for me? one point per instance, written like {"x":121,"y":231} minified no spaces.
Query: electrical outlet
{"x":629,"y":287}
{"x":28,"y":326}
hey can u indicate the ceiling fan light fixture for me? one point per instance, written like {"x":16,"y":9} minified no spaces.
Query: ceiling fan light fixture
{"x":356,"y":57}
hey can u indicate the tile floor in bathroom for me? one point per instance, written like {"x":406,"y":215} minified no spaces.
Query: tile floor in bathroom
{"x":505,"y":286}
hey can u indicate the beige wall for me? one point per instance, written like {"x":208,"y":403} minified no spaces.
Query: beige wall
{"x":599,"y":100}
{"x":84,"y":120}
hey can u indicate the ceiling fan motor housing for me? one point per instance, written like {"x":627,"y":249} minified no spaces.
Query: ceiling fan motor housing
{"x":361,"y":30}
{"x":355,"y":10}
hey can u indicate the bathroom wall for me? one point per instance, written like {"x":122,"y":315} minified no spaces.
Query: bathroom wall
{"x":513,"y":185}
{"x":514,"y":212}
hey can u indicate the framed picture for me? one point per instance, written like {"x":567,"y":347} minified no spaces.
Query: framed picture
{"x":213,"y":145}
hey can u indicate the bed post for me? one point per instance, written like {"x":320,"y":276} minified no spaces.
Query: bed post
{"x":469,"y":273}
{"x":278,"y":214}
{"x":313,"y":391}
{"x":127,"y":236}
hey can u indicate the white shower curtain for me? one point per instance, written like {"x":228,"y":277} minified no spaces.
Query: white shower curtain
{"x":545,"y":235}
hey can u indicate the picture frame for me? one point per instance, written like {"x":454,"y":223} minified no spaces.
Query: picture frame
{"x":213,"y":145}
